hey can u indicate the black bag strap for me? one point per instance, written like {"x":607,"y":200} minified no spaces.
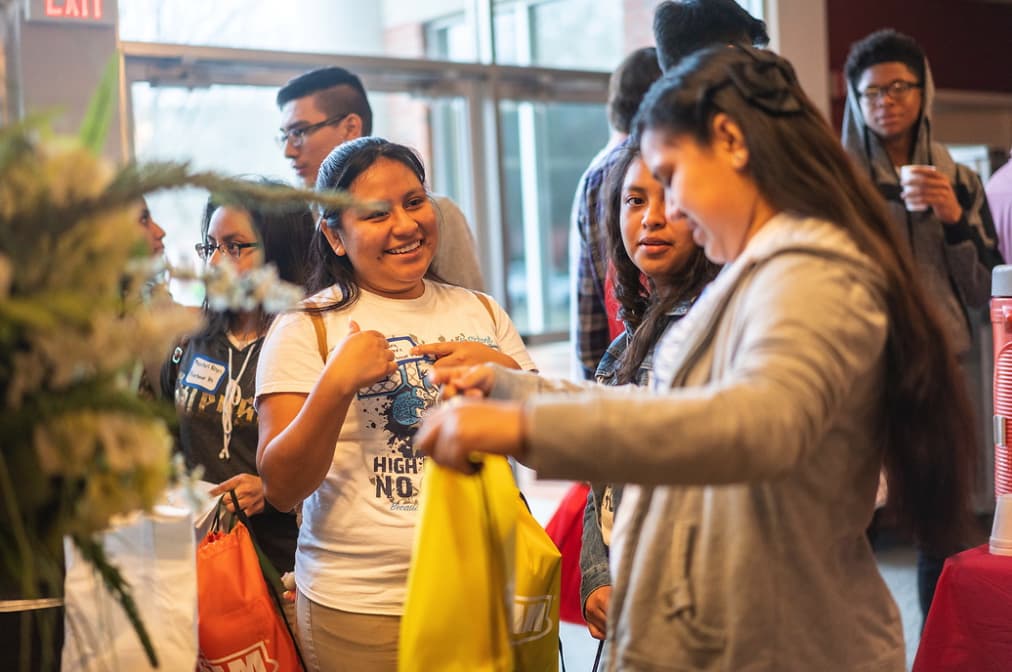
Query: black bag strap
{"x":219,"y":520}
{"x":270,"y":575}
{"x":597,"y":658}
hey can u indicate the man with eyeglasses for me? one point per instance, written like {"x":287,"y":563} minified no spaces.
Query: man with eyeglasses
{"x":939,"y":208}
{"x":324,"y":108}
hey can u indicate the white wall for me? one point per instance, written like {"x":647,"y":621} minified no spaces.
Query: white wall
{"x":973,"y":118}
{"x":798,"y":32}
{"x":60,"y":68}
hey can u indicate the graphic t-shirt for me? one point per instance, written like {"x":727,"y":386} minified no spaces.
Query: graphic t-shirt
{"x":357,"y":529}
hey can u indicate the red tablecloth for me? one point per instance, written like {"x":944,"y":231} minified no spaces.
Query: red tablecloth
{"x":969,"y":626}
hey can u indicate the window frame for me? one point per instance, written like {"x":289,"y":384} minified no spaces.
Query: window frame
{"x":482,"y":86}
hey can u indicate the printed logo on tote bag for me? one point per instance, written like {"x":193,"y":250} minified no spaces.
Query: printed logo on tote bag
{"x":532,"y":617}
{"x":253,"y":658}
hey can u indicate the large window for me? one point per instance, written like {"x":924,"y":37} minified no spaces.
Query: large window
{"x":354,"y":27}
{"x":231,"y":128}
{"x":582,"y":34}
{"x":541,"y":166}
{"x":578,"y":34}
{"x":504,"y":99}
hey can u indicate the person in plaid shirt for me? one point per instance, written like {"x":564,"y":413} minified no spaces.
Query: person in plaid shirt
{"x":680,"y":28}
{"x":590,"y":328}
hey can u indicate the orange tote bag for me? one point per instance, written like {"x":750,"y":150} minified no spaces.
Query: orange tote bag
{"x":240,"y":625}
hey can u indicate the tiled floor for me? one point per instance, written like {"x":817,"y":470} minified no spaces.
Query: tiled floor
{"x":896,"y":562}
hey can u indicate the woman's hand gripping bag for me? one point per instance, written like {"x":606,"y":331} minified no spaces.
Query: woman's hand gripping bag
{"x":239,"y":624}
{"x":483,"y":586}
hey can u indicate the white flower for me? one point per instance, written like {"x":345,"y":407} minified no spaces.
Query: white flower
{"x":66,"y":445}
{"x":121,"y":460}
{"x":73,"y":173}
{"x":227,"y":290}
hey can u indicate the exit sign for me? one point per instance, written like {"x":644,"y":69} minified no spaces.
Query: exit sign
{"x":73,"y":12}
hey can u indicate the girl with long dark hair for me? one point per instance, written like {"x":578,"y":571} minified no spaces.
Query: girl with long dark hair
{"x":659,"y":274}
{"x":753,"y":461}
{"x":211,"y":375}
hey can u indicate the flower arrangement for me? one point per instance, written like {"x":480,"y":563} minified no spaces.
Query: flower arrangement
{"x":79,"y":445}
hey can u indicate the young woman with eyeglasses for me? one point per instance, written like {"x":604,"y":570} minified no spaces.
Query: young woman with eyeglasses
{"x":211,"y":375}
{"x":341,"y":388}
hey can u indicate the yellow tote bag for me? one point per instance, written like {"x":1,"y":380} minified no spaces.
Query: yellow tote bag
{"x":538,"y":577}
{"x":474,"y":543}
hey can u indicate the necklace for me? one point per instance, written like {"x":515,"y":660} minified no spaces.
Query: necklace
{"x":233,"y":395}
{"x":240,"y":341}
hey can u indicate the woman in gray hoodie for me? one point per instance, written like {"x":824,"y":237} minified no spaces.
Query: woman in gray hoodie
{"x":753,"y":460}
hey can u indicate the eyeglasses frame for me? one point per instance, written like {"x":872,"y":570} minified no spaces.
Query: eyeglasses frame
{"x":896,"y":90}
{"x":297,"y":136}
{"x":206,"y":250}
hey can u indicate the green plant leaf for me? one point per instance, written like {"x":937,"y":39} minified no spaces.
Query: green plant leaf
{"x":95,"y":125}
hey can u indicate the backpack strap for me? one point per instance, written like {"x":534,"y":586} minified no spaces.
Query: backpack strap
{"x":488,"y":307}
{"x":321,"y":329}
{"x":321,"y":334}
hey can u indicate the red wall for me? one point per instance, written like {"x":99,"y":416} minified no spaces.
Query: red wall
{"x":968,"y":42}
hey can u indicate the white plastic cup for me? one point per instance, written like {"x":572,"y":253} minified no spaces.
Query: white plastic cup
{"x":906,"y":175}
{"x":1001,"y":529}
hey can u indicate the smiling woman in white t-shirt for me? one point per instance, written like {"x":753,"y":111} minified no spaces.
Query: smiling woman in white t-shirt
{"x":338,"y":432}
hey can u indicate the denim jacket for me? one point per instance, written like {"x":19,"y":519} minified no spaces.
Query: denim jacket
{"x":593,"y":551}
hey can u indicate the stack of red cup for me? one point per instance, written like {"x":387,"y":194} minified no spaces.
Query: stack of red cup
{"x":1001,"y":324}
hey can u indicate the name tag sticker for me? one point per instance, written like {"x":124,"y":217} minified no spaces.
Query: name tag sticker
{"x":205,"y":374}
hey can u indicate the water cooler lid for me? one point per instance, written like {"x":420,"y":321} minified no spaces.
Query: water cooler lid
{"x":1001,"y":281}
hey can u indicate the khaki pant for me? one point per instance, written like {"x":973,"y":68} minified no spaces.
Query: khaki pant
{"x":335,"y":641}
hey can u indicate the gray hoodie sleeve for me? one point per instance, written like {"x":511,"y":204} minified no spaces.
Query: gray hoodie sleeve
{"x":971,"y":244}
{"x":793,"y":371}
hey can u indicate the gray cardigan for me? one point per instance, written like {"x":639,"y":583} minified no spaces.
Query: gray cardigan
{"x":742,"y":546}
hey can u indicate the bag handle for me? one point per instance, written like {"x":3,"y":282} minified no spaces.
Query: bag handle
{"x":270,"y":574}
{"x":219,"y":519}
{"x":495,"y":567}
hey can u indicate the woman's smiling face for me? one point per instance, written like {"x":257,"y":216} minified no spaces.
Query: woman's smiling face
{"x":390,"y":248}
